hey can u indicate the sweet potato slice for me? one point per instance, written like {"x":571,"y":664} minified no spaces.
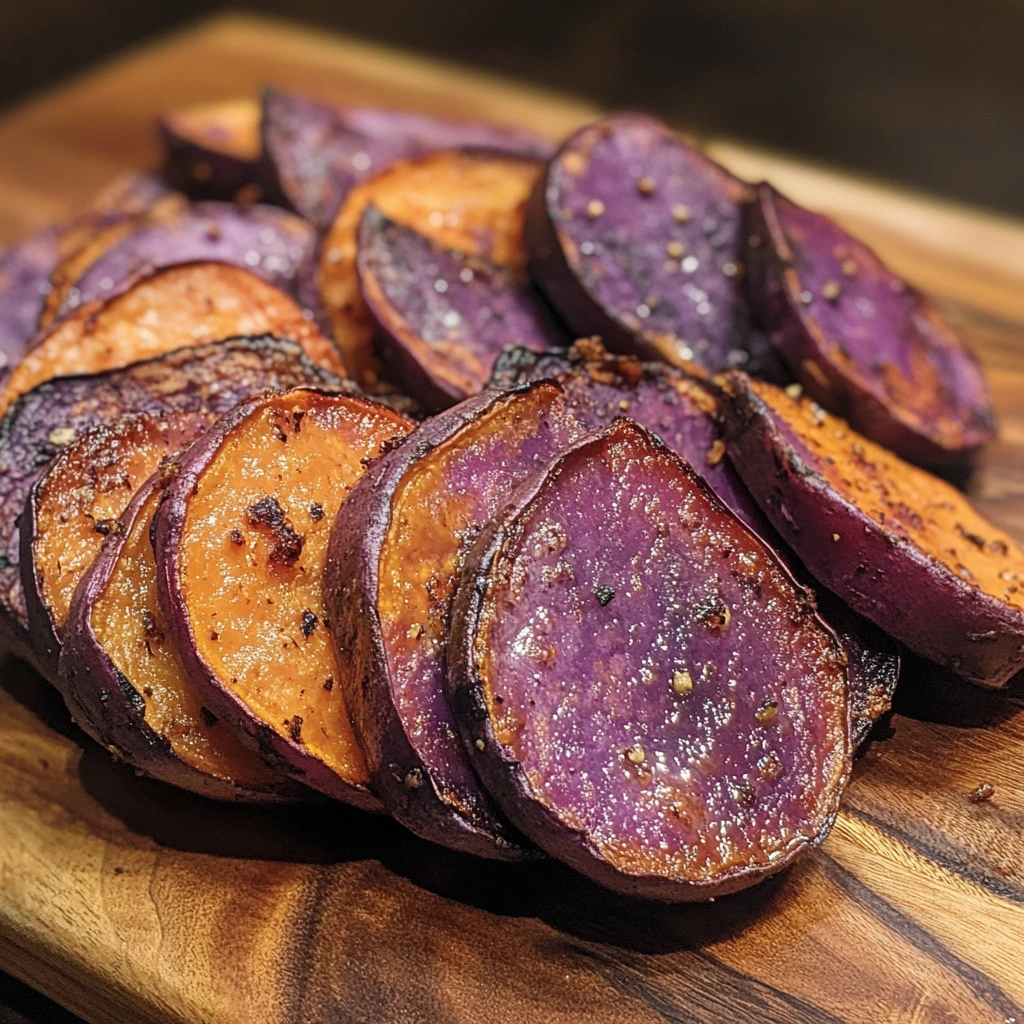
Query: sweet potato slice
{"x":212,"y":151}
{"x":124,"y":684}
{"x":900,"y":546}
{"x":315,"y":153}
{"x":650,"y":698}
{"x":264,"y":240}
{"x":212,"y":378}
{"x":862,"y":342}
{"x":187,"y":305}
{"x":241,"y":539}
{"x":393,"y":563}
{"x":472,"y":202}
{"x":636,"y":236}
{"x":443,"y":316}
{"x":684,"y":414}
{"x":77,"y":502}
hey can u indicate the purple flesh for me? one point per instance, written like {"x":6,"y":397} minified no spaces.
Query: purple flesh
{"x":684,"y":414}
{"x":394,"y":684}
{"x":266,"y":241}
{"x":636,"y":236}
{"x":442,"y":316}
{"x":650,"y":698}
{"x":862,"y":342}
{"x":314,"y":153}
{"x":40,"y":424}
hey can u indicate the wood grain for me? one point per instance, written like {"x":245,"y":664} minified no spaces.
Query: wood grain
{"x":129,"y":902}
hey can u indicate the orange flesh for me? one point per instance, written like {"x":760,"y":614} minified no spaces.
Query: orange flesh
{"x":186,"y":305}
{"x":231,"y":126}
{"x":127,"y":622}
{"x":250,"y":607}
{"x":82,"y":496}
{"x":908,"y":502}
{"x":471,"y":203}
{"x":95,"y":243}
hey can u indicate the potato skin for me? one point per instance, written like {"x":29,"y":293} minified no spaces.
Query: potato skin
{"x":908,"y":382}
{"x":537,"y":802}
{"x":453,"y":811}
{"x":41,"y":423}
{"x":108,"y":707}
{"x":877,"y":569}
{"x":284,"y":752}
{"x":25,"y":269}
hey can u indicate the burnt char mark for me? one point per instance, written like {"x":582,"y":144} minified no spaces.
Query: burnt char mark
{"x":135,"y":699}
{"x":980,"y":984}
{"x":267,"y":514}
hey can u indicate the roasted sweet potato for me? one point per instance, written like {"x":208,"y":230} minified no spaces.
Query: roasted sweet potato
{"x":124,"y":684}
{"x":212,"y":151}
{"x":266,"y":241}
{"x":443,"y":316}
{"x":636,"y":236}
{"x":187,"y":305}
{"x":77,"y":502}
{"x":393,"y":563}
{"x":44,"y":421}
{"x":241,"y":539}
{"x":25,"y":270}
{"x":684,"y":414}
{"x":472,"y":202}
{"x":651,"y":698}
{"x":900,"y":546}
{"x":315,"y":153}
{"x":131,"y":193}
{"x":863,"y":343}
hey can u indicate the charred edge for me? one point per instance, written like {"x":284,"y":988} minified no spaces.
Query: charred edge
{"x":134,"y":698}
{"x":265,"y":737}
{"x":980,"y":984}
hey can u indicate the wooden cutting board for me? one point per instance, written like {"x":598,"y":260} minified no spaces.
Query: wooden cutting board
{"x":129,"y":902}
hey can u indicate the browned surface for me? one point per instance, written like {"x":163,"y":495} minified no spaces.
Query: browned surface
{"x":908,"y":503}
{"x":192,"y":304}
{"x":128,"y":622}
{"x":252,"y":556}
{"x":132,"y":903}
{"x":462,"y":201}
{"x":231,"y":127}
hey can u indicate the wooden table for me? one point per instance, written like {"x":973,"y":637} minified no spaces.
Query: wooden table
{"x":128,"y":902}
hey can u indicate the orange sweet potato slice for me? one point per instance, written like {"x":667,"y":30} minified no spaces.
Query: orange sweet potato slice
{"x":173,"y":308}
{"x":125,"y":685}
{"x":470,"y":201}
{"x":241,"y":541}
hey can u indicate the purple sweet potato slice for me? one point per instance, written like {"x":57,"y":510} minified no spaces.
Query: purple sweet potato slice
{"x":636,"y":236}
{"x":212,"y":378}
{"x":650,"y":698}
{"x":443,"y":316}
{"x":264,"y":240}
{"x":130,"y":193}
{"x":212,"y":151}
{"x":393,"y":563}
{"x":901,"y":547}
{"x":124,"y":684}
{"x":314,"y":153}
{"x":861,"y":341}
{"x":683,"y":413}
{"x":25,"y":270}
{"x":473,"y":202}
{"x":184,"y":305}
{"x":77,"y":502}
{"x":241,"y":539}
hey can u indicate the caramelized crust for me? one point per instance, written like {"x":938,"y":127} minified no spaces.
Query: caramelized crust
{"x":230,"y":126}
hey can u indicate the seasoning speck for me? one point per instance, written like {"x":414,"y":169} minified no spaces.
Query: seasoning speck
{"x":836,"y":538}
{"x":831,"y":290}
{"x":682,"y":682}
{"x":595,"y":208}
{"x":767,"y":711}
{"x":415,"y":631}
{"x":635,"y":754}
{"x":716,"y":453}
{"x":676,"y":249}
{"x":849,"y":268}
{"x":309,"y":621}
{"x":480,"y":745}
{"x":680,"y":213}
{"x":61,"y":436}
{"x":646,"y":185}
{"x":983,"y":793}
{"x":414,"y":779}
{"x":236,"y":538}
{"x":604,"y":594}
{"x":794,"y":391}
{"x":329,"y":683}
{"x":316,"y":512}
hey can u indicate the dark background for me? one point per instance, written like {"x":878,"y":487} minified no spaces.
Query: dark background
{"x":926,"y":92}
{"x":929,"y":93}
